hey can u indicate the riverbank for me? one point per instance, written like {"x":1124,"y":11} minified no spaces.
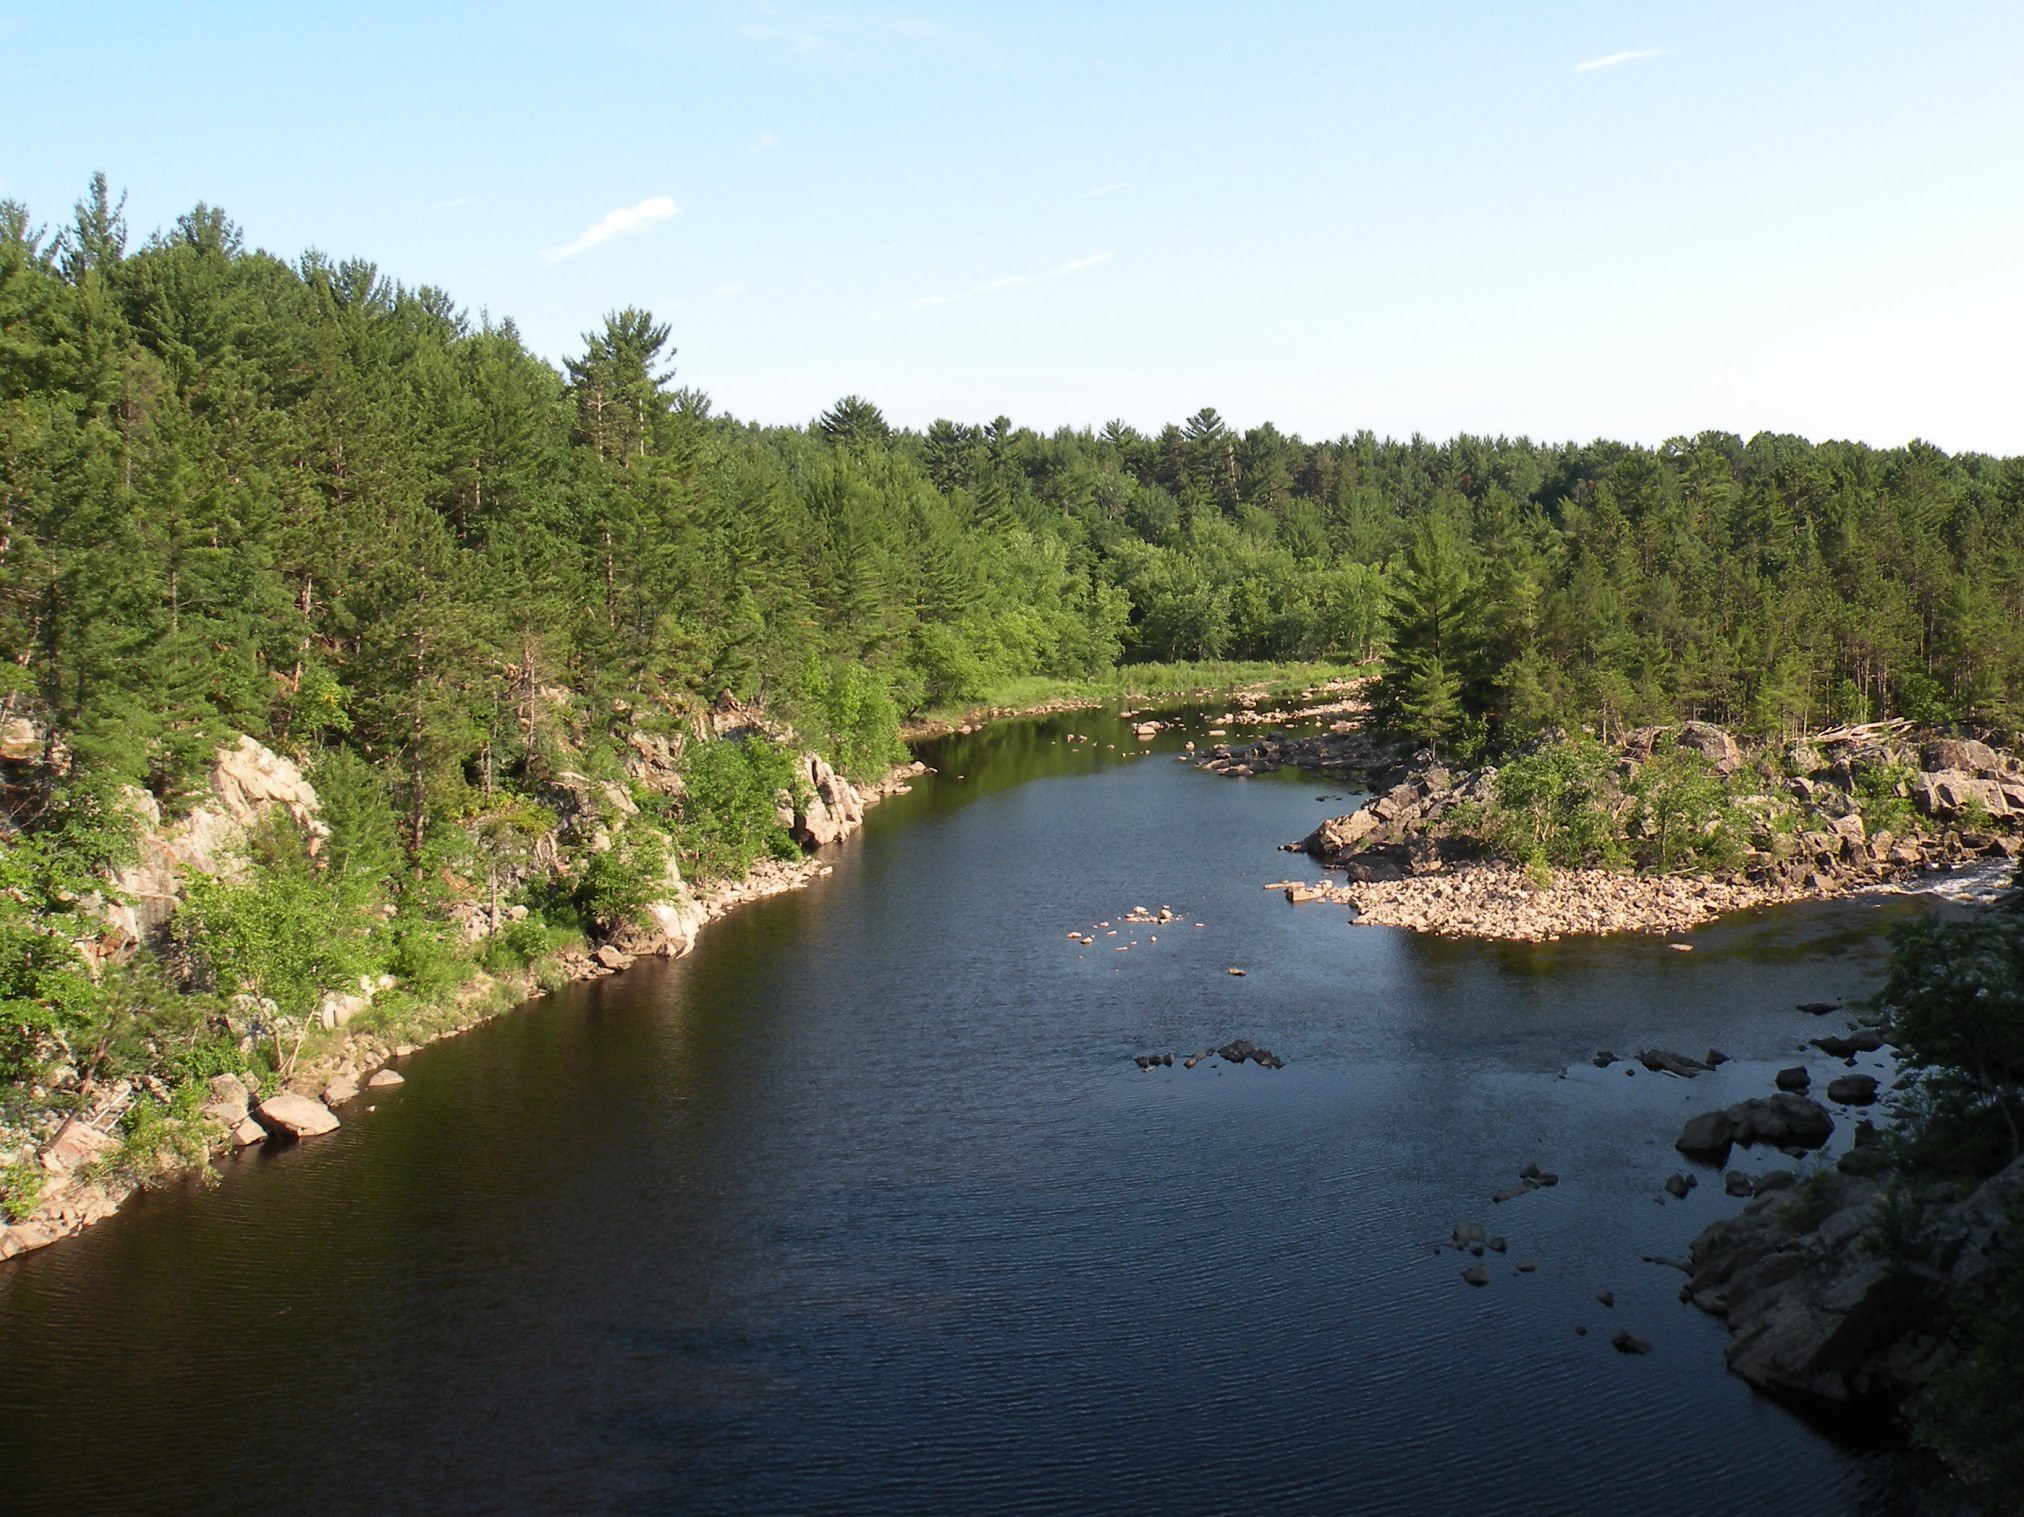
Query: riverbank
{"x":88,"y":1170}
{"x":1859,"y":810}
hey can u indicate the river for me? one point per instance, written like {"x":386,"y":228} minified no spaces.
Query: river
{"x":864,"y":1207}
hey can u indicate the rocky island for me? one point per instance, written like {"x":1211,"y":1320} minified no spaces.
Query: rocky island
{"x":1550,"y":843}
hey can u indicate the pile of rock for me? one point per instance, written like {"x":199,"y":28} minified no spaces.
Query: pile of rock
{"x":1343,"y":750}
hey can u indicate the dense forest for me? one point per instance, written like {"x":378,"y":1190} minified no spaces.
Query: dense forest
{"x":304,"y":501}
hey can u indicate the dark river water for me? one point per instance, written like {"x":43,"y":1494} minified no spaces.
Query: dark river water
{"x":864,"y":1207}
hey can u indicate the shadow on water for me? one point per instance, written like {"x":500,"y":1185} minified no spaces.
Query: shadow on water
{"x":864,"y":1207}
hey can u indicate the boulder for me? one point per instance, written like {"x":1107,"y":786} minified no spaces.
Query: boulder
{"x":295,"y":1116}
{"x":1708,"y":1132}
{"x":1812,"y":1313}
{"x":1781,"y":1119}
{"x":1796,"y":1078}
{"x":78,"y":1144}
{"x":1960,"y":753}
{"x":1629,"y":1343}
{"x":1665,"y":1061}
{"x":338,"y":1008}
{"x":247,"y":1133}
{"x":612,"y":956}
{"x":382,"y":1078}
{"x":1477,"y":1274}
{"x":1862,"y":1040}
{"x":1713,"y":744}
{"x":827,"y":806}
{"x":341,"y":1089}
{"x":229,"y":1101}
{"x":1852,"y":1090}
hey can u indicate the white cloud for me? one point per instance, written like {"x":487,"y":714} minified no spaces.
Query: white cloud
{"x":766,"y":141}
{"x":632,"y":218}
{"x":1002,"y":282}
{"x":1611,"y":60}
{"x":456,"y":202}
{"x":726,"y":291}
{"x":1106,"y":189}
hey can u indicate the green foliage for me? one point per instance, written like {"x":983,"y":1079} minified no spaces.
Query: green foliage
{"x":615,"y":885}
{"x":50,"y":882}
{"x":1681,"y":819}
{"x":1970,"y":1411}
{"x":1882,"y":792}
{"x":1956,"y":992}
{"x":858,"y":719}
{"x":729,"y":814}
{"x":161,"y":1137}
{"x":1557,"y":807}
{"x":286,"y":931}
{"x":518,"y":944}
{"x":21,"y":1189}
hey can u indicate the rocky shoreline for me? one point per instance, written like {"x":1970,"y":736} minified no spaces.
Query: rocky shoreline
{"x":1409,"y":861}
{"x":248,"y":781}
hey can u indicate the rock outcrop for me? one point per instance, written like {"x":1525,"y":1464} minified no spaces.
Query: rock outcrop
{"x":248,"y":782}
{"x":1827,"y":1297}
{"x":827,"y":806}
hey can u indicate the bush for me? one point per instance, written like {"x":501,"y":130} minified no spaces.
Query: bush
{"x":21,"y":1189}
{"x":617,"y":884}
{"x":1681,"y":818}
{"x":518,"y":944}
{"x":859,"y":719}
{"x":1556,"y":807}
{"x":730,"y":813}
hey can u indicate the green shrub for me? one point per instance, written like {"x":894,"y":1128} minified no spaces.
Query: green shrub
{"x":21,"y":1189}
{"x":859,"y":718}
{"x":518,"y":944}
{"x":1681,"y":818}
{"x":616,"y":885}
{"x":729,"y":814}
{"x":1556,"y":806}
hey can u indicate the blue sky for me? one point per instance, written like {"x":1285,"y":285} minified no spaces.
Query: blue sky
{"x":1566,"y":220}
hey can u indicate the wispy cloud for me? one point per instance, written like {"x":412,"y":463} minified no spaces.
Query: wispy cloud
{"x":1002,"y":282}
{"x":1106,"y":189}
{"x":726,"y":291}
{"x":632,"y":218}
{"x":456,"y":202}
{"x":1611,"y":60}
{"x":767,"y":141}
